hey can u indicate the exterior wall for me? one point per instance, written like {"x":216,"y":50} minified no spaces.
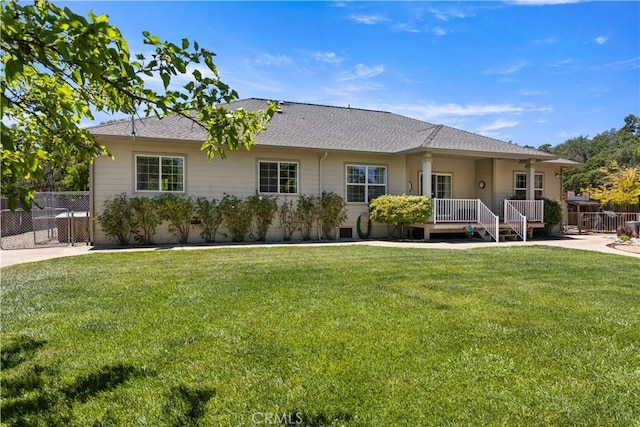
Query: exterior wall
{"x":461,"y":169}
{"x":334,"y":177}
{"x":236,"y":175}
{"x":484,"y":172}
{"x":505,"y":177}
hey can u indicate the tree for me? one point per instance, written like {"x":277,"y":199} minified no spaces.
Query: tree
{"x":621,"y":146}
{"x":621,"y":186}
{"x":59,"y":67}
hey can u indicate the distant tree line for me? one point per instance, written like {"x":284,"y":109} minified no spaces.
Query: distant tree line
{"x":610,"y":168}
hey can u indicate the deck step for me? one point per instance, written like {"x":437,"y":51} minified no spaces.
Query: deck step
{"x":508,"y":236}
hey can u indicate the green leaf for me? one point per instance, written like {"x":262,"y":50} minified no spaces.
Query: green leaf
{"x":185,"y":43}
{"x":166,"y":79}
{"x":12,"y":69}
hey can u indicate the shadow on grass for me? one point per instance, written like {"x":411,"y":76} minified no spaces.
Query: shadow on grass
{"x":18,"y":351}
{"x":105,"y":379}
{"x":31,"y":394}
{"x":186,"y":405}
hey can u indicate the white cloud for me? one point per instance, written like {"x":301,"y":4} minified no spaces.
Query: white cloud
{"x":267,"y":59}
{"x":369,"y":19}
{"x":409,"y":28}
{"x":531,"y":92}
{"x":627,"y":64}
{"x":548,"y":40}
{"x":439,"y":31}
{"x":498,"y":124}
{"x":568,"y":134}
{"x":541,"y":2}
{"x":568,"y":64}
{"x":328,"y":57}
{"x":601,"y":40}
{"x":362,"y":72}
{"x":447,"y":14}
{"x":432,"y":111}
{"x":345,"y":93}
{"x":512,"y":69}
{"x":561,"y":62}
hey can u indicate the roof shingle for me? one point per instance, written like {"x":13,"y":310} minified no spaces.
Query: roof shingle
{"x":324,"y":127}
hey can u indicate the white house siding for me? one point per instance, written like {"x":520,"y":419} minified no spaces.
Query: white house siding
{"x":461,"y":169}
{"x":334,"y":177}
{"x":505,"y":175}
{"x":484,"y":172}
{"x":237,"y":175}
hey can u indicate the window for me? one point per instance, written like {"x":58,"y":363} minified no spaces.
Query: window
{"x":159,"y":173}
{"x":365,"y":183}
{"x":278,"y":177}
{"x":441,"y":186}
{"x":520,"y":184}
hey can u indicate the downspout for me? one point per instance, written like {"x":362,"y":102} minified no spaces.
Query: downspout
{"x":320,"y":184}
{"x":92,"y":208}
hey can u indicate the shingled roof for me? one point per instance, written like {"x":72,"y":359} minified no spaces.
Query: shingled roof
{"x":300,"y":125}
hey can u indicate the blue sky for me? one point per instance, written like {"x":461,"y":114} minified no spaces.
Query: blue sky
{"x":529,"y":72}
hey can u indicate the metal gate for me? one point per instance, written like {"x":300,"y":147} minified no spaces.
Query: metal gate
{"x":56,"y":219}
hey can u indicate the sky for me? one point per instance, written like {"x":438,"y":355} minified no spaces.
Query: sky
{"x":529,"y":72}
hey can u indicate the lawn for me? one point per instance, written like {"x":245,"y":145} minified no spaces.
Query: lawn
{"x":338,"y":335}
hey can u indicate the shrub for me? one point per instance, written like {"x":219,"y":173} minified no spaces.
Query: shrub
{"x":552,"y":215}
{"x":210,"y":216}
{"x":307,"y":210}
{"x":179,"y":210}
{"x":236,"y":216}
{"x":399,"y":210}
{"x":288,"y":220}
{"x":332,"y":214}
{"x":146,"y":219}
{"x":263,"y":210}
{"x":117,"y":219}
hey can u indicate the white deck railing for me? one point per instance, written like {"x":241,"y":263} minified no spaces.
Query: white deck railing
{"x":455,"y":210}
{"x":514,"y":219}
{"x":532,"y":209}
{"x":471,"y":211}
{"x":488,"y":220}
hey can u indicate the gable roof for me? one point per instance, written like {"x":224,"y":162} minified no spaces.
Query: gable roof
{"x":300,"y":125}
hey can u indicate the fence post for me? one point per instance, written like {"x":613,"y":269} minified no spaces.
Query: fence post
{"x":579,"y":222}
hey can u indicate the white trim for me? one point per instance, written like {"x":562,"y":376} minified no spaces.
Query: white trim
{"x":278,"y":163}
{"x":433,"y":189}
{"x":535,"y":189}
{"x":365,"y":184}
{"x":160,"y":157}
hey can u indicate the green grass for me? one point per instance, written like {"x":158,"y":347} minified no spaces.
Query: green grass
{"x":349,"y":335}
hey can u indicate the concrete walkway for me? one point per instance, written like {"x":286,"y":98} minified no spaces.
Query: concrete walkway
{"x":589,"y":242}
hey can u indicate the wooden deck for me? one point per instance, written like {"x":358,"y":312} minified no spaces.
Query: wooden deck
{"x":505,"y":231}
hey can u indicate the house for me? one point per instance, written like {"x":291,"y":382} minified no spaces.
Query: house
{"x":309,"y":149}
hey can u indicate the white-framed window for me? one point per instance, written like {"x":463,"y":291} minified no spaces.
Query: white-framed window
{"x":159,"y":173}
{"x":520,"y":184}
{"x":365,"y":183}
{"x":275,"y":177}
{"x":441,"y":185}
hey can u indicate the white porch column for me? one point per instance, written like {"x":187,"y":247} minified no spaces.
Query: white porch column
{"x":426,"y":174}
{"x":531,"y":180}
